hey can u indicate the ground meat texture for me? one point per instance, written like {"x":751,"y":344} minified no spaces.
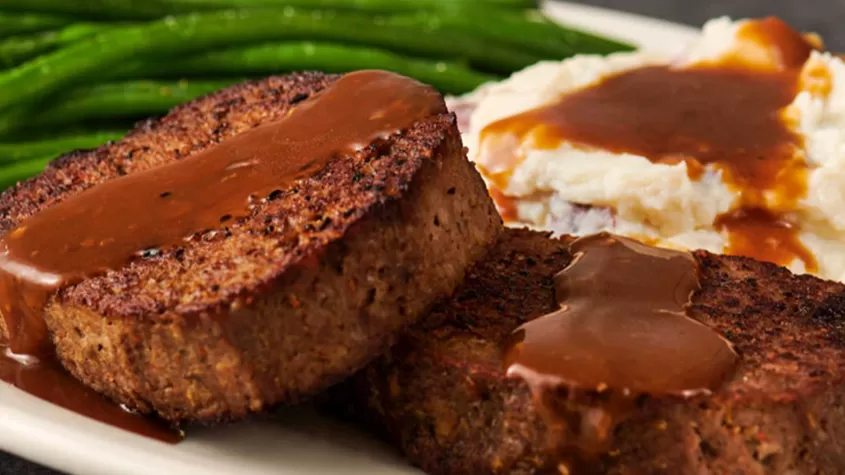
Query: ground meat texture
{"x":277,"y":306}
{"x":441,"y":395}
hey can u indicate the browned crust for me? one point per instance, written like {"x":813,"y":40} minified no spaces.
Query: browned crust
{"x":278,"y":305}
{"x":440,"y":394}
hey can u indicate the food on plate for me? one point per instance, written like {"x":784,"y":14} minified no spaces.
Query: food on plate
{"x":45,"y":378}
{"x":734,"y":145}
{"x":545,"y":360}
{"x":250,"y":248}
{"x":131,"y":10}
{"x":93,"y":67}
{"x":262,"y":243}
{"x":54,"y":147}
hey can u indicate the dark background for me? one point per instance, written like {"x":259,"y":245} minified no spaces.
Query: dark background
{"x":826,"y":17}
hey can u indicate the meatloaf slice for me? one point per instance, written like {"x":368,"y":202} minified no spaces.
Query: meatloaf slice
{"x":441,"y":394}
{"x":304,"y":291}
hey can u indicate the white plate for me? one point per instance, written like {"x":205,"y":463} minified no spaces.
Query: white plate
{"x":299,"y":442}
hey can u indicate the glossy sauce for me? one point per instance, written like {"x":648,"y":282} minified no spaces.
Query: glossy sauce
{"x":774,"y":38}
{"x":621,"y":332}
{"x":504,"y":205}
{"x":45,"y":379}
{"x":107,"y":226}
{"x":110,"y":224}
{"x":764,"y":236}
{"x":728,"y":115}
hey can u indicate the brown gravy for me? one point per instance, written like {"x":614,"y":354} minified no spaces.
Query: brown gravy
{"x":505,"y":206}
{"x":45,"y":379}
{"x":757,"y":233}
{"x":727,"y":115}
{"x":671,"y":114}
{"x":776,"y":39}
{"x":107,"y":226}
{"x":621,"y":332}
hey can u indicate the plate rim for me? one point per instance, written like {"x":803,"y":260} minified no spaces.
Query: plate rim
{"x":641,"y":31}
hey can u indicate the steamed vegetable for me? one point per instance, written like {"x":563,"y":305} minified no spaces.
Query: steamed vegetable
{"x":95,"y":56}
{"x":512,"y":30}
{"x":17,"y":49}
{"x":272,"y":58}
{"x":154,"y":9}
{"x":93,"y":65}
{"x":112,"y":101}
{"x":13,"y":152}
{"x":17,"y":171}
{"x":18,"y":23}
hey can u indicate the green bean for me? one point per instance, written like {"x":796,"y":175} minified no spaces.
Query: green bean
{"x":514,"y":30}
{"x":154,"y":9}
{"x":21,"y":23}
{"x":450,"y":78}
{"x":22,"y":170}
{"x":12,"y":152}
{"x":17,"y":49}
{"x":99,"y":54}
{"x":25,"y":133}
{"x":582,"y":42}
{"x":374,"y":6}
{"x":132,"y":99}
{"x":527,"y":29}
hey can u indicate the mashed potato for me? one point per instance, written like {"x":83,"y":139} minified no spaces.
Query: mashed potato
{"x":577,"y":189}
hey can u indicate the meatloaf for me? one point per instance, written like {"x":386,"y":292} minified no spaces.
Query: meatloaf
{"x":441,"y":394}
{"x":306,"y":289}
